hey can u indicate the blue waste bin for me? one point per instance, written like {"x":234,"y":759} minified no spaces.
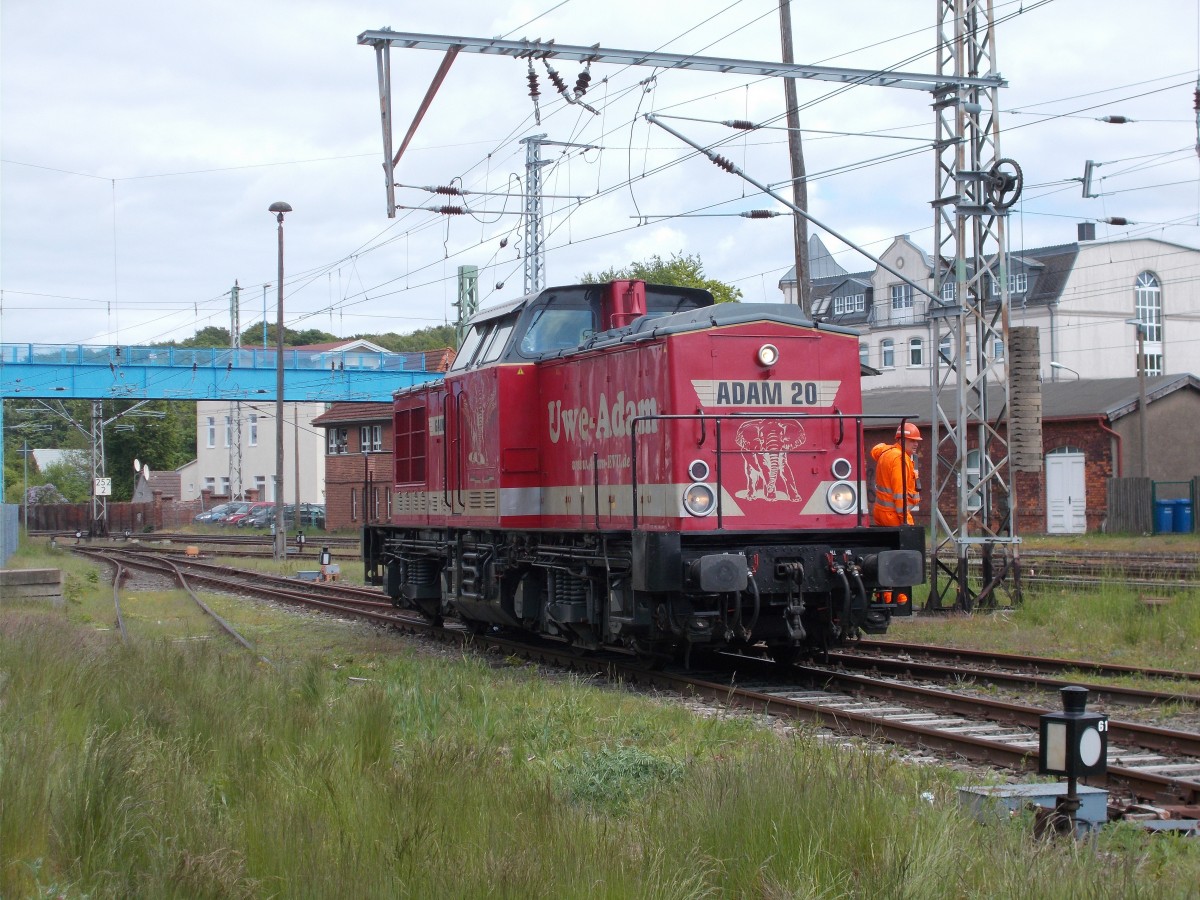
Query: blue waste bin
{"x":1183,"y":516}
{"x":1164,"y":516}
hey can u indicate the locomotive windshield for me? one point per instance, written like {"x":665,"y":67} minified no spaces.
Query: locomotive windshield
{"x":558,"y":328}
{"x":484,"y":343}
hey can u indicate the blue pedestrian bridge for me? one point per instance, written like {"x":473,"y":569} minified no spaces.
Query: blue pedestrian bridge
{"x":211,"y":373}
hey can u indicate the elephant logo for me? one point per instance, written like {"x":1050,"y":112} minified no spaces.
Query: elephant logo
{"x":480,"y":418}
{"x":765,"y":444}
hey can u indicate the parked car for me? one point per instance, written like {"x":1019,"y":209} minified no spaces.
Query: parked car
{"x":312,"y":515}
{"x":210,"y":515}
{"x":234,"y":509}
{"x":258,"y":519}
{"x":238,"y":517}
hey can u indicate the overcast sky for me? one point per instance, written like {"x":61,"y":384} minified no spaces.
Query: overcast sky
{"x":143,"y":142}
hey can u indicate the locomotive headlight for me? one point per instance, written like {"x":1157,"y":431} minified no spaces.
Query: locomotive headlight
{"x":841,"y":468}
{"x":768,"y":355}
{"x":841,"y":497}
{"x":698,"y":470}
{"x":699,"y":500}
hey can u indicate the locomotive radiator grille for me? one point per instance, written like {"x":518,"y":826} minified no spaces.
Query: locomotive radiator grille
{"x":482,"y":501}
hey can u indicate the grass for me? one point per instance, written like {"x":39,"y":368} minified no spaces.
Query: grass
{"x":181,"y":768}
{"x":1108,"y":623}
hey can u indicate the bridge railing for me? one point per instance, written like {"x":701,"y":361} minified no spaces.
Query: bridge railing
{"x":208,"y":357}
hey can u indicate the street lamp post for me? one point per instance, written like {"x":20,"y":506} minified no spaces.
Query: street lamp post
{"x":1058,"y":365}
{"x":280,"y":546}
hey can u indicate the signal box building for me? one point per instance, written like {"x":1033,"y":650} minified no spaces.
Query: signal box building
{"x":358,"y":441}
{"x":358,"y":463}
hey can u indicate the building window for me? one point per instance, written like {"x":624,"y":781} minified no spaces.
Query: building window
{"x":260,"y":486}
{"x":948,"y":291}
{"x":850,"y":304}
{"x":887,"y":353}
{"x":1148,"y":307}
{"x":998,"y":348}
{"x":336,"y":440}
{"x":370,"y":438}
{"x":1018,"y":283}
{"x":916,"y":352}
{"x":225,"y":485}
{"x":864,"y":355}
{"x":944,"y":349}
{"x":228,"y":431}
{"x":210,"y":482}
{"x":212,"y":431}
{"x":253,"y":419}
{"x":902,"y":296}
{"x":975,"y":473}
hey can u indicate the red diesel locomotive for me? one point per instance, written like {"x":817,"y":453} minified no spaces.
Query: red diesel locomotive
{"x":632,"y":465}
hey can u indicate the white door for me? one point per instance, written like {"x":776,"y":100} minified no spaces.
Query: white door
{"x":1065,"y":498}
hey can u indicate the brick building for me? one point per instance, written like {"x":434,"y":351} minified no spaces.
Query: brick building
{"x":358,"y":456}
{"x":358,"y":463}
{"x":1090,"y":433}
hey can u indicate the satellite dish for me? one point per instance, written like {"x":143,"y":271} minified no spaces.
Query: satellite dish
{"x":146,"y":471}
{"x":137,"y":466}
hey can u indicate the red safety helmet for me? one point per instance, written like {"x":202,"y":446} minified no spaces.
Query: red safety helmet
{"x":909,"y":432}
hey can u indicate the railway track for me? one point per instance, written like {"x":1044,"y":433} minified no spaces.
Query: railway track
{"x":1151,"y":763}
{"x":1159,"y":571}
{"x":997,"y":670}
{"x":1020,"y":661}
{"x":122,"y":566}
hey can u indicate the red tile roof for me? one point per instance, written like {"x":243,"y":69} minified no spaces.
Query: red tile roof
{"x":354,"y":413}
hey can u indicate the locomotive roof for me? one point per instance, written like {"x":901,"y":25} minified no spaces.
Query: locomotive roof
{"x":697,"y":295}
{"x":716,"y":316}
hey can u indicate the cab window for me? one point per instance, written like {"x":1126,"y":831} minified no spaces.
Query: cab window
{"x":557,"y":328}
{"x":497,"y":342}
{"x":470,"y":346}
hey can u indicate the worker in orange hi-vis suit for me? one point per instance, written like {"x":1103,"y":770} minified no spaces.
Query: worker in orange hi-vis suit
{"x":896,"y":478}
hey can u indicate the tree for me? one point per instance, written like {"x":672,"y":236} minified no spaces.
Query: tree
{"x":165,"y":441}
{"x":68,"y":481}
{"x":209,"y":336}
{"x":435,"y":337}
{"x":252,"y":336}
{"x":681,"y":270}
{"x":163,"y":436}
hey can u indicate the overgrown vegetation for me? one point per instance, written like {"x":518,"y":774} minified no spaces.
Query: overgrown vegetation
{"x":177,"y":767}
{"x":1109,"y":623}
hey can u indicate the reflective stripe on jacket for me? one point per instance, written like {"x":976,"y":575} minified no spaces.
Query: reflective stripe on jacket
{"x":895,"y":484}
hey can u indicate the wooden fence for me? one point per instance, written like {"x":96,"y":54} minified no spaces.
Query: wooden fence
{"x":1131,"y":503}
{"x":132,"y":517}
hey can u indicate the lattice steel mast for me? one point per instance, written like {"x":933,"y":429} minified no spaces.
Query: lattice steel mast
{"x":970,"y":459}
